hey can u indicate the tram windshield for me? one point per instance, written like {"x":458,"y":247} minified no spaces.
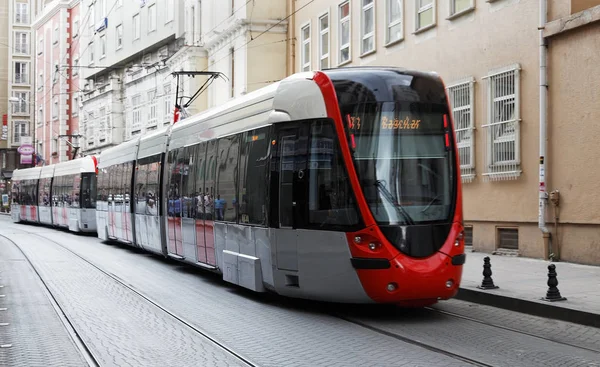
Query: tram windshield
{"x":403,"y":160}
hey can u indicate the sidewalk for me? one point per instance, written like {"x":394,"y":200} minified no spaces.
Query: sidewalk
{"x":522,"y":284}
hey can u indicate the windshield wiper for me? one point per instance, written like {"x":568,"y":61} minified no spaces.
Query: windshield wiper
{"x":399,"y":208}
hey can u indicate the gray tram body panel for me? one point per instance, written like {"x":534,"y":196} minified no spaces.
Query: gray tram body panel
{"x":298,"y":263}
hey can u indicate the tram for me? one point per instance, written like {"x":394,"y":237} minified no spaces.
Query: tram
{"x":61,"y":195}
{"x":339,"y":185}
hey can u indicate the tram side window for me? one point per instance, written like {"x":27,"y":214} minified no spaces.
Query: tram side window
{"x":127,"y":178}
{"x":101,"y":190}
{"x":15,"y":193}
{"x":331,"y":201}
{"x":55,"y":191}
{"x":210,"y":178}
{"x":226,"y":200}
{"x":44,"y":192}
{"x":174,"y":188}
{"x":254,"y":176}
{"x":141,"y":177}
{"x":202,"y":192}
{"x":75,"y":188}
{"x":152,"y":186}
{"x":187,"y":161}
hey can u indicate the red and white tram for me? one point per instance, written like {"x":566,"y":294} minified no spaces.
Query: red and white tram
{"x":341,"y":185}
{"x":62,"y":195}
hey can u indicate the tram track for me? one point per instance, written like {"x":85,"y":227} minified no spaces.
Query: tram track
{"x":408,"y":340}
{"x":82,"y":346}
{"x":533,"y":335}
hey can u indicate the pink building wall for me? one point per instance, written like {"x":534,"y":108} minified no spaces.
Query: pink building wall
{"x":62,"y":54}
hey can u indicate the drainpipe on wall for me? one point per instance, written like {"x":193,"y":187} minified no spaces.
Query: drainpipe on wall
{"x":543,"y":194}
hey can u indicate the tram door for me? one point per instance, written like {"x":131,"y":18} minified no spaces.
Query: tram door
{"x":292,"y":149}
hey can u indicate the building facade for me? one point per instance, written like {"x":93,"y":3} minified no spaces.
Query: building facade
{"x":489,"y":55}
{"x":57,"y":30}
{"x":247,"y":42}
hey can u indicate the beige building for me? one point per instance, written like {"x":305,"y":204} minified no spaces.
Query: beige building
{"x":488,"y":52}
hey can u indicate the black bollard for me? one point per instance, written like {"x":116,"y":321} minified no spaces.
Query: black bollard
{"x":488,"y":282}
{"x":553,"y":294}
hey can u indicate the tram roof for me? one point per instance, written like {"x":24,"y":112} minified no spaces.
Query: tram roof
{"x":124,"y":152}
{"x":26,"y":174}
{"x":153,"y":143}
{"x":47,"y":171}
{"x":75,"y":166}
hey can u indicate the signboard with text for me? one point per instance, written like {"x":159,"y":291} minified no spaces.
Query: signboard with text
{"x":26,"y":150}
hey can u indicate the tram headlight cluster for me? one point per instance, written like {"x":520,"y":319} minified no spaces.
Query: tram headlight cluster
{"x":459,"y":238}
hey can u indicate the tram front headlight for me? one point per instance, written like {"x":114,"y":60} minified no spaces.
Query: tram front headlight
{"x":449,"y":283}
{"x":459,"y":238}
{"x":358,"y":239}
{"x":374,"y":246}
{"x":392,"y":287}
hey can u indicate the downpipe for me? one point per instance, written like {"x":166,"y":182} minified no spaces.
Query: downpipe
{"x":543,"y":193}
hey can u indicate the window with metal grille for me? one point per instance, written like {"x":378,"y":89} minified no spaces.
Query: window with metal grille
{"x":136,"y":102}
{"x":462,"y":102}
{"x":508,"y":238}
{"x":468,"y":236}
{"x":502,"y":137}
{"x":152,"y":114}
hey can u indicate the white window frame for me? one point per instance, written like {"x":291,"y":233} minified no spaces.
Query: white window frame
{"x":75,"y":69}
{"x":55,"y":36}
{"x":27,"y":74}
{"x":452,"y":8}
{"x":91,"y":47}
{"x":325,"y":32}
{"x":496,"y":170}
{"x":389,"y":23}
{"x":102,"y":46}
{"x":74,"y":105}
{"x":17,"y":18}
{"x":167,"y":103}
{"x":136,"y":111}
{"x":373,"y":34}
{"x":75,"y":31}
{"x":463,"y":91}
{"x":152,"y":108}
{"x":40,"y":117}
{"x":55,"y":108}
{"x":340,"y":22}
{"x":23,"y":127}
{"x":40,"y":46}
{"x":119,"y":36}
{"x":27,"y":43}
{"x":419,"y":9}
{"x":152,"y":18}
{"x":40,"y":80}
{"x":170,"y":11}
{"x":137,"y":27}
{"x":22,"y":107}
{"x":305,"y":66}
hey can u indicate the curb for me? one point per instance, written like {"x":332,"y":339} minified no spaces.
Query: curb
{"x":547,"y":310}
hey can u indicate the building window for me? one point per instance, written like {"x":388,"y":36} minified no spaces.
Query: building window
{"x":22,"y":106}
{"x":305,"y":32}
{"x":462,"y":102}
{"x":40,"y":81}
{"x":41,"y":46}
{"x":458,"y":6}
{"x":21,"y":129}
{"x":21,"y":75}
{"x":75,"y":106}
{"x":22,"y":43}
{"x":91,"y":47}
{"x":119,"y":36}
{"x":55,"y":108}
{"x":324,"y":41}
{"x":167,"y":104}
{"x":75,"y":67}
{"x":468,"y":236}
{"x":344,"y":37}
{"x":368,"y":26}
{"x":54,"y":145}
{"x":232,"y":53}
{"x":425,"y":14}
{"x":137,"y":27}
{"x":22,"y":13}
{"x":56,"y":76}
{"x":170,"y":10}
{"x":75,"y":28}
{"x":102,"y":46}
{"x":395,"y":31}
{"x":152,"y":115}
{"x":502,"y":137}
{"x":55,"y":36}
{"x":151,"y":18}
{"x":136,"y":104}
{"x":40,"y":118}
{"x":508,"y":238}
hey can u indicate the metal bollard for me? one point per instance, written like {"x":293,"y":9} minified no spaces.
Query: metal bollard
{"x":553,"y":294}
{"x":488,"y":282}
